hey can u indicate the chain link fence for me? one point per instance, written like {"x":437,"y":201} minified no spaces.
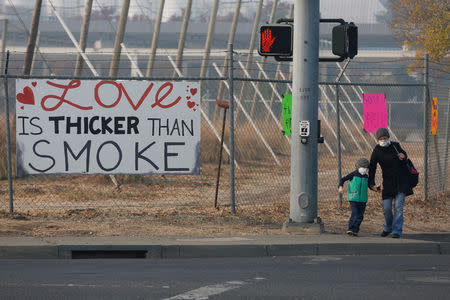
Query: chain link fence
{"x":262,"y":152}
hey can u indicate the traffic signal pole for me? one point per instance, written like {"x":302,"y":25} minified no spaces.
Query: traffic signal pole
{"x":303,"y":194}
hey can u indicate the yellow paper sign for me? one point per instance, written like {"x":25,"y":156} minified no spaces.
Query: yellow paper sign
{"x":434,"y":116}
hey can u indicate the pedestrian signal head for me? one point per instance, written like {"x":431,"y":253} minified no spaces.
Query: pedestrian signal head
{"x":275,"y":40}
{"x":345,"y":40}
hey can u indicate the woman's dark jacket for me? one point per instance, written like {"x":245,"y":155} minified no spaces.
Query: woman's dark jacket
{"x":394,"y":171}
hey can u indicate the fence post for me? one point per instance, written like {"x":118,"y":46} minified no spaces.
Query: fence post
{"x":426,"y":130}
{"x":446,"y":144}
{"x":338,"y":132}
{"x":338,"y":127}
{"x":8,"y":138}
{"x":231,"y":90}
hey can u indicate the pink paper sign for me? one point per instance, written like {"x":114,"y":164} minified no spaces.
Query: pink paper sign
{"x":375,"y":112}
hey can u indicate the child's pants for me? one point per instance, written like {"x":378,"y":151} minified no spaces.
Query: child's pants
{"x":357,"y":216}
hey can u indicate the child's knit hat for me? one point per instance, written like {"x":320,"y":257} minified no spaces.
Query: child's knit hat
{"x":362,"y":163}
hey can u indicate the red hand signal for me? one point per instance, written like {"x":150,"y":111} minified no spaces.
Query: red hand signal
{"x":267,"y":40}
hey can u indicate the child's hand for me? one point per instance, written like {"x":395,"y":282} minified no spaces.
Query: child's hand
{"x":341,"y":190}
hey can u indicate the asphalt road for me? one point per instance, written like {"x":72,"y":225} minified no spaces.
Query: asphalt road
{"x":318,"y":277}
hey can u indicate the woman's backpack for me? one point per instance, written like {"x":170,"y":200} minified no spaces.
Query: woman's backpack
{"x":413,"y":174}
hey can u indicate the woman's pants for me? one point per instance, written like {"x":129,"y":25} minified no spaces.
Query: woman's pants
{"x":393,"y":221}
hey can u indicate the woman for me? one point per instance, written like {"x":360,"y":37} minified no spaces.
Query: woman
{"x":395,"y":186}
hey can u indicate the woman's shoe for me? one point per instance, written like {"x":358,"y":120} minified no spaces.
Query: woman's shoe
{"x":385,"y":233}
{"x":396,"y":236}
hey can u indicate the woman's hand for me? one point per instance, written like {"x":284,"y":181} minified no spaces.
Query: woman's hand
{"x":341,"y":190}
{"x":377,"y":188}
{"x":401,"y":156}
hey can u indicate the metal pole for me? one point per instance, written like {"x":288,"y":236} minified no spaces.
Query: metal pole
{"x":181,"y":41}
{"x":426,"y":112}
{"x":119,"y":38}
{"x":264,"y":59}
{"x":230,"y":41}
{"x":209,"y":37}
{"x":220,"y":155}
{"x":303,"y":196}
{"x":252,"y":44}
{"x":338,"y":129}
{"x":83,"y":36}
{"x":389,"y":116}
{"x":8,"y":139}
{"x":151,"y":57}
{"x":3,"y":44}
{"x":116,"y":55}
{"x":231,"y":90}
{"x":33,"y":61}
{"x":32,"y":38}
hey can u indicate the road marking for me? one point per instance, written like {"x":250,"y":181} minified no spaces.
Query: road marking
{"x":431,"y":279}
{"x":209,"y":290}
{"x":217,"y":239}
{"x":317,"y":260}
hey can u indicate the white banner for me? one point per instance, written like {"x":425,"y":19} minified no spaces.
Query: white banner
{"x":107,"y":127}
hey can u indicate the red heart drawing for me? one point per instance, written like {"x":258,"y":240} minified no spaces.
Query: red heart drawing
{"x":194,"y":109}
{"x":193,"y":92}
{"x":27,"y":97}
{"x":188,"y":97}
{"x":34,"y":83}
{"x":190,"y":104}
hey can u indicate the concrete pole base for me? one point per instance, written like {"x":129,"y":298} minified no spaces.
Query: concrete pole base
{"x":303,"y":228}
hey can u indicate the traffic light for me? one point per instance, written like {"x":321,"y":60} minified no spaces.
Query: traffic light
{"x":345,"y":40}
{"x":275,"y":40}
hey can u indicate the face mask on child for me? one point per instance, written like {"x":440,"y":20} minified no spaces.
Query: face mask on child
{"x":384,"y":143}
{"x":363,"y":171}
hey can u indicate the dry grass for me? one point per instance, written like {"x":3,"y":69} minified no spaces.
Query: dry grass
{"x":173,"y":205}
{"x":183,"y":206}
{"x":165,"y":222}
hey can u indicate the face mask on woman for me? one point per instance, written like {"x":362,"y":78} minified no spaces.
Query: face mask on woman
{"x":363,"y":171}
{"x":384,"y":143}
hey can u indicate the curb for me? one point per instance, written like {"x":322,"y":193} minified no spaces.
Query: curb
{"x":216,"y":251}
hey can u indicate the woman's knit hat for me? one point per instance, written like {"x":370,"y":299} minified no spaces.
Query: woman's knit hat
{"x":381,"y":132}
{"x":362,"y":163}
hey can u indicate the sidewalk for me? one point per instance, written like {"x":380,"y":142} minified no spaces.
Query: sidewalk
{"x":233,"y":246}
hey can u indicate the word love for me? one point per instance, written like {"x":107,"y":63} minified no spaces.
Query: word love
{"x":163,"y":98}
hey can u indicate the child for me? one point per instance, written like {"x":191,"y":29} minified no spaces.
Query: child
{"x":357,"y":194}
